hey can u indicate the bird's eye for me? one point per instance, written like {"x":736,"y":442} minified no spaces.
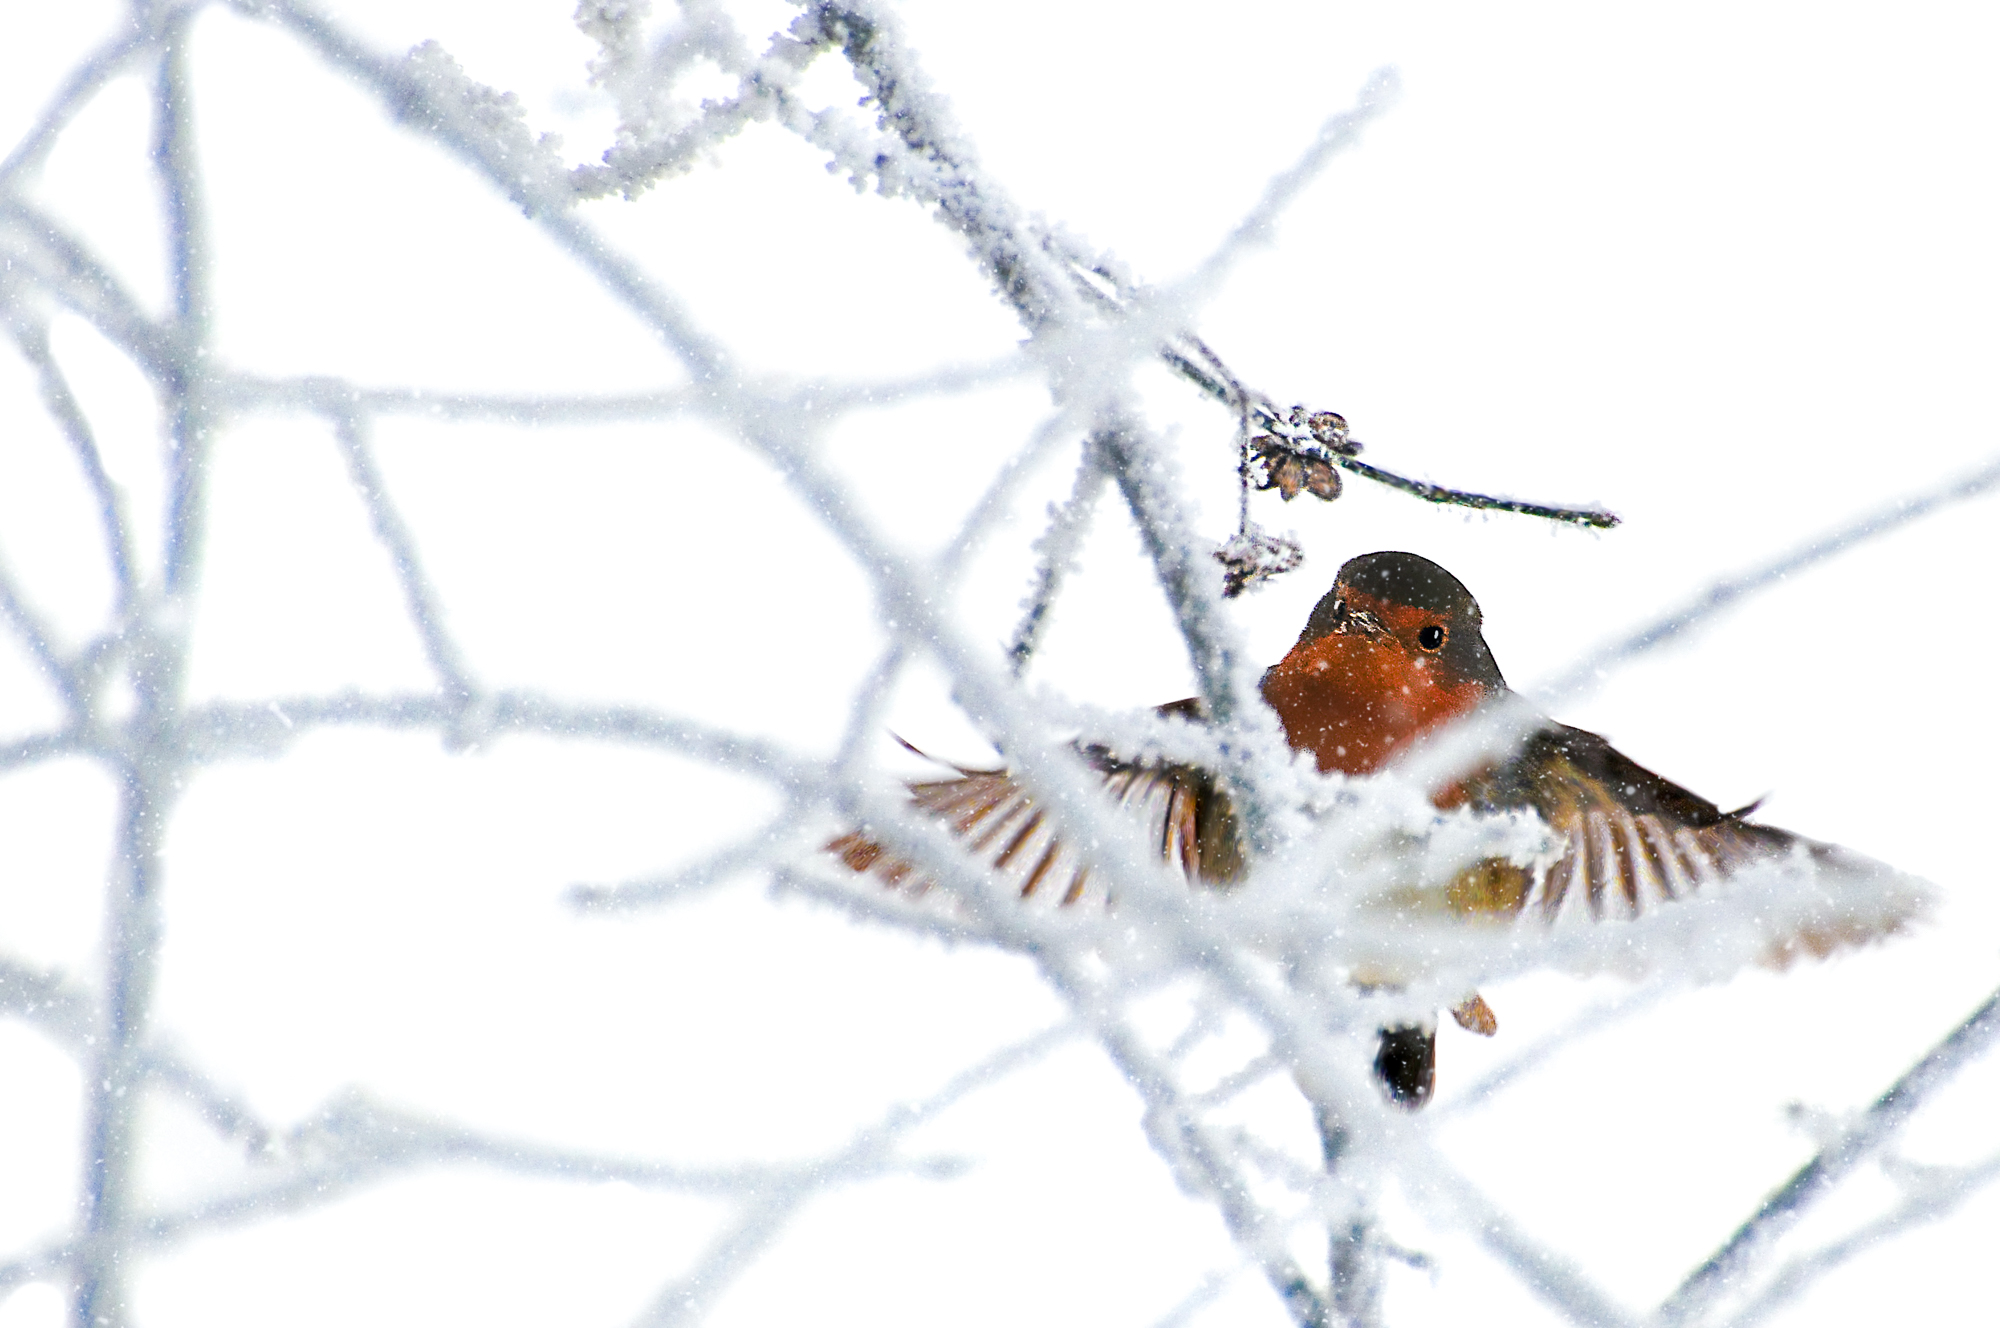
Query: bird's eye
{"x":1431,"y":638}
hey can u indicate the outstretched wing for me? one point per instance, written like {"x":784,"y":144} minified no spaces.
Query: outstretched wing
{"x":1180,"y":807}
{"x":1632,"y":841}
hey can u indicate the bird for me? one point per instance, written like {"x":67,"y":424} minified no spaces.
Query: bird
{"x":1393,"y":653}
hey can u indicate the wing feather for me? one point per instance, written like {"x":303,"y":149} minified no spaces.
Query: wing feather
{"x":1670,"y":870}
{"x":1048,"y":860}
{"x":1010,"y":811}
{"x":1630,"y":841}
{"x":1637,"y":840}
{"x":1180,"y":809}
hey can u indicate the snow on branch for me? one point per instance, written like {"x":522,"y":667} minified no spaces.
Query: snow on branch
{"x":1695,"y":1297}
{"x":1727,"y":593}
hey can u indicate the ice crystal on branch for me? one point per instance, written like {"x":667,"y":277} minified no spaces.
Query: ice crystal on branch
{"x":529,"y":164}
{"x":1253,"y":556}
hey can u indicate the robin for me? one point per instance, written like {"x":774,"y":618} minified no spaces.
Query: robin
{"x":1391,"y":653}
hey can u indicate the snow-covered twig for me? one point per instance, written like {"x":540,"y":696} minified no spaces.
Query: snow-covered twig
{"x":33,"y":339}
{"x":148,"y":777}
{"x":1862,"y":1140}
{"x":420,"y":601}
{"x":1454,"y":1201}
{"x":686,"y":1298}
{"x":1727,"y":593}
{"x":141,"y":33}
{"x":45,"y":254}
{"x":1937,"y":1198}
{"x":766,"y":844}
{"x":35,"y":634}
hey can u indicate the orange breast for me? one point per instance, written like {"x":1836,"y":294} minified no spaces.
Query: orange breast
{"x":1355,"y":701}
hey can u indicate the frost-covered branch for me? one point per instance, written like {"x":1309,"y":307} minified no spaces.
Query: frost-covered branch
{"x":420,"y":601}
{"x":1730,"y":591}
{"x":1177,"y":1133}
{"x":1058,"y":546}
{"x":1931,"y":1199}
{"x":35,"y":634}
{"x":822,"y":399}
{"x":1857,"y":1144}
{"x":326,"y":396}
{"x":771,"y":842}
{"x":33,"y":339}
{"x":234,"y":730}
{"x":687,"y":1297}
{"x":1559,"y":1282}
{"x":1592,"y":1019}
{"x":67,"y":1014}
{"x":355,"y":1142}
{"x":141,"y":32}
{"x":148,"y":773}
{"x":48,"y":1000}
{"x":1340,"y":132}
{"x":486,"y":128}
{"x":658,"y":136}
{"x":224,"y":1112}
{"x":189,"y":431}
{"x":44,"y":254}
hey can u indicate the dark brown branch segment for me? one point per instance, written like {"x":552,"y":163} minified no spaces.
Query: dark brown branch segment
{"x":1292,"y":435}
{"x":1436,"y":493}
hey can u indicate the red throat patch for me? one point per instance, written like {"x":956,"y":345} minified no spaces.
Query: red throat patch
{"x":1355,"y":701}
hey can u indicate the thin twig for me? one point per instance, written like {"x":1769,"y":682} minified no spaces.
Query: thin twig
{"x":1353,"y":1262}
{"x":420,"y":601}
{"x":36,"y":635}
{"x":1438,"y":493}
{"x":1538,"y":1053}
{"x":643,"y":156}
{"x":764,"y":844}
{"x":1339,"y":132}
{"x":1454,"y":1201}
{"x":147,"y":779}
{"x":49,"y":255}
{"x":1211,"y":1286}
{"x":44,"y":997}
{"x":1723,"y":594}
{"x":1058,"y":546}
{"x":188,"y":425}
{"x":1178,"y":1136}
{"x":821,"y":399}
{"x":1218,"y":383}
{"x":142,"y":31}
{"x":61,"y":403}
{"x":1859,"y":1142}
{"x":225,"y":1113}
{"x":688,"y":1296}
{"x":1932,"y":1200}
{"x":222,"y":730}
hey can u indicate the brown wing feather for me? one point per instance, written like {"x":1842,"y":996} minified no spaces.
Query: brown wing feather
{"x":1633,"y":840}
{"x":1182,"y":811}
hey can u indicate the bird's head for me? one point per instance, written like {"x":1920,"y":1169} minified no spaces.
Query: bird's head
{"x":1426,"y":611}
{"x":1392,"y":651}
